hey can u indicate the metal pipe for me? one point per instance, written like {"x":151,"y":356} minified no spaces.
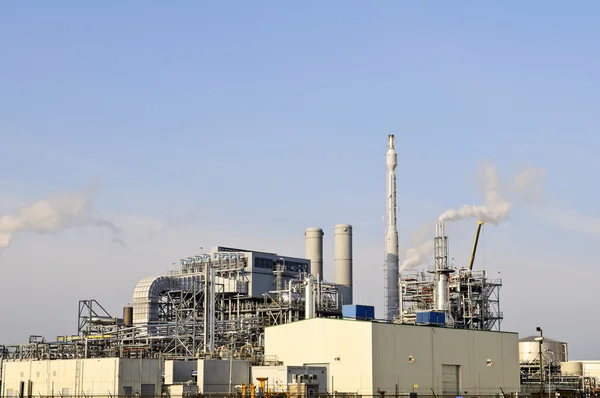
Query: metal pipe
{"x":309,"y":305}
{"x":476,"y":240}
{"x":541,"y":340}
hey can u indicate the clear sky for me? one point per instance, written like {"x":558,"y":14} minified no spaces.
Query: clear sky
{"x":243,"y":123}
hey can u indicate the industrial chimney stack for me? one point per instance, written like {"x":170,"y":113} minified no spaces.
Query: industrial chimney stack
{"x":314,"y":251}
{"x":343,"y":261}
{"x":392,"y":298}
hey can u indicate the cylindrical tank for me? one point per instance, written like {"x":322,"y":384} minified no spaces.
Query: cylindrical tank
{"x":309,"y":302}
{"x":441,"y":297}
{"x":343,"y":261}
{"x":128,"y":316}
{"x":554,"y":351}
{"x":314,"y":250}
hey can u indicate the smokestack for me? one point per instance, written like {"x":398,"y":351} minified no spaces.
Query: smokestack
{"x":392,"y":298}
{"x":343,"y":261}
{"x":127,"y":316}
{"x":314,"y":251}
{"x":442,"y":272}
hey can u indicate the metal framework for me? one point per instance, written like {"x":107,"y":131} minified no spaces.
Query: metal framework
{"x":202,"y":310}
{"x":470,"y":299}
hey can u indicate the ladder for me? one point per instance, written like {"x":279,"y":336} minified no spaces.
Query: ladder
{"x":77,"y":392}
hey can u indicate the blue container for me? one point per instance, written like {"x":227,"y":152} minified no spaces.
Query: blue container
{"x":431,"y":318}
{"x":358,"y":311}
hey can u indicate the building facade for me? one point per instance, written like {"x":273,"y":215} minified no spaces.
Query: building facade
{"x":366,"y":357}
{"x":82,"y":377}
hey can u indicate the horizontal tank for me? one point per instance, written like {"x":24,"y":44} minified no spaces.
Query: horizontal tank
{"x":296,"y":297}
{"x":571,"y":368}
{"x":529,"y":350}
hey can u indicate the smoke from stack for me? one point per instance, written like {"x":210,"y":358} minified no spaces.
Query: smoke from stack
{"x":54,"y":214}
{"x":495,"y":209}
{"x":526,"y":185}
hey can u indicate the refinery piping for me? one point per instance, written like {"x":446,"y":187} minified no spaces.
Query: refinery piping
{"x":219,"y":303}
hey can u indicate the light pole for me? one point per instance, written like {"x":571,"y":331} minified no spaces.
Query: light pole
{"x":541,"y":340}
{"x":550,"y":371}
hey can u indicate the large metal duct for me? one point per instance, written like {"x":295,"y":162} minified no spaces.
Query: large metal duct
{"x":314,"y":250}
{"x":343,"y":261}
{"x":148,"y":291}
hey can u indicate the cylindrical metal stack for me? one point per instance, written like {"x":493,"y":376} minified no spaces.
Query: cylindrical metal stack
{"x":343,"y":261}
{"x":128,"y":316}
{"x":314,"y":251}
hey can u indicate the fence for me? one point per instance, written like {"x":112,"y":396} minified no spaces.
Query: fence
{"x":292,"y":395}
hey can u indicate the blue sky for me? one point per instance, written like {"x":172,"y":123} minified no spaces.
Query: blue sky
{"x":249,"y":121}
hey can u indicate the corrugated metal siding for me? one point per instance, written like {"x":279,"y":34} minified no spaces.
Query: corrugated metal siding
{"x":433,"y":347}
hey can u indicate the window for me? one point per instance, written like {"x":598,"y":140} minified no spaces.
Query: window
{"x":260,"y":262}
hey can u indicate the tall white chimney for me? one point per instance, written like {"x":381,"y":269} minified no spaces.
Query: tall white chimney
{"x":392,"y":298}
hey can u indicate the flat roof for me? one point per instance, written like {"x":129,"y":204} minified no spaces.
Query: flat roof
{"x":384,"y":323}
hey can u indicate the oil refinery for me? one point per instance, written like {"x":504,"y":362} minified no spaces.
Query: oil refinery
{"x":253,"y":323}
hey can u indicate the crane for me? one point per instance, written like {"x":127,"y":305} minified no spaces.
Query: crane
{"x":479,"y":224}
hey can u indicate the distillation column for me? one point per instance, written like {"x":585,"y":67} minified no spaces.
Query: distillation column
{"x":391,"y":292}
{"x":442,"y":271}
{"x":343,"y":261}
{"x":314,"y":251}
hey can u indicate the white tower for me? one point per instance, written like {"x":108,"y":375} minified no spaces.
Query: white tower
{"x":342,"y":237}
{"x":392,"y":297}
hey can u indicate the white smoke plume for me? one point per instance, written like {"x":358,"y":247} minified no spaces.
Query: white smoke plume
{"x":495,"y":209}
{"x":526,"y":185}
{"x":68,"y":210}
{"x":421,"y":247}
{"x":417,"y":255}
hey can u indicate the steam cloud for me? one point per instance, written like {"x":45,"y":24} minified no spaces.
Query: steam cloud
{"x":69,"y":210}
{"x":495,"y":209}
{"x":527,"y":185}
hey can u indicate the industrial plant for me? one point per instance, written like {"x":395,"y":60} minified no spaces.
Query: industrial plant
{"x":258,"y":323}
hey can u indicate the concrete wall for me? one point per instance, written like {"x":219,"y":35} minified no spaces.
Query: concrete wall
{"x":363,"y":356}
{"x":77,"y":376}
{"x":179,"y":371}
{"x":213,"y":374}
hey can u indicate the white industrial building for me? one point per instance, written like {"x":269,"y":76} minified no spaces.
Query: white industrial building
{"x":581,"y":368}
{"x":362,"y":357}
{"x":279,"y":378}
{"x":76,"y":377}
{"x":209,"y":375}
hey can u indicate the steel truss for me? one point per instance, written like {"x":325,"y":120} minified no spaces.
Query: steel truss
{"x":474,"y":298}
{"x":205,"y":320}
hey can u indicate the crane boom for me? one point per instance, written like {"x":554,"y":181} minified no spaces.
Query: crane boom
{"x":479,"y":224}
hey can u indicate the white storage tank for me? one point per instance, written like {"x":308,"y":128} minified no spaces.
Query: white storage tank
{"x":554,"y":351}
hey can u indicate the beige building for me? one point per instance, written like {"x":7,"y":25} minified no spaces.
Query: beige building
{"x":581,"y":368}
{"x":210,"y":375}
{"x":79,"y":377}
{"x":362,"y":357}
